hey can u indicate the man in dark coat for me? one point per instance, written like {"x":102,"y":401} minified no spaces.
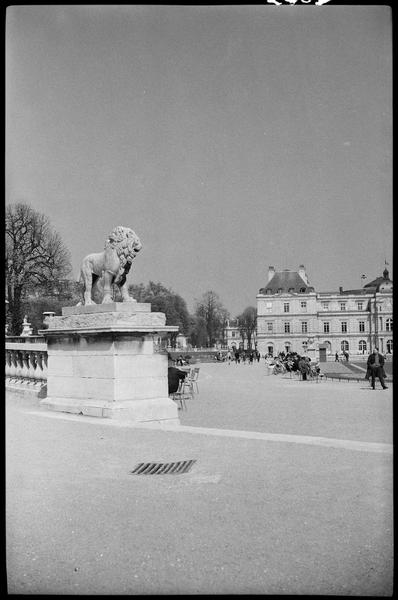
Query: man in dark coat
{"x":304,"y":367}
{"x":376,"y":368}
{"x":174,"y":376}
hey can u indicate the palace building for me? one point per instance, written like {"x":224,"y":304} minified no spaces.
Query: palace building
{"x":292,"y":316}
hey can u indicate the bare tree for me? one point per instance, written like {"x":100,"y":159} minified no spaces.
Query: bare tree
{"x":35,"y":255}
{"x":247,"y":324}
{"x":214,"y":315}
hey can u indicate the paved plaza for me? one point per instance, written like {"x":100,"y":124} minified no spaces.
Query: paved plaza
{"x":291,"y":493}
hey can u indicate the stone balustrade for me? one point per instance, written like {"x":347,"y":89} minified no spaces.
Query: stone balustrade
{"x":26,"y":364}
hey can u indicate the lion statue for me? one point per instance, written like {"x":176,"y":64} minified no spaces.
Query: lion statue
{"x":110,"y":266}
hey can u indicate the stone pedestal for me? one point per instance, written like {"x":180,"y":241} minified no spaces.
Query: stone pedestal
{"x":101,"y":362}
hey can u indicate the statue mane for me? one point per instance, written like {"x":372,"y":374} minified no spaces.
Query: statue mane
{"x":125,"y":242}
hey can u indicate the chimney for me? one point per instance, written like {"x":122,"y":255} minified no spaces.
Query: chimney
{"x":303,"y":274}
{"x":271,"y":273}
{"x":340,"y":289}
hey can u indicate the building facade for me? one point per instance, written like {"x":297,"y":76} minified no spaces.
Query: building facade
{"x":232,"y":336}
{"x":292,"y":316}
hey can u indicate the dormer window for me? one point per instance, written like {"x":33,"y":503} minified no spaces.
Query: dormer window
{"x":280,"y":290}
{"x":302,"y":290}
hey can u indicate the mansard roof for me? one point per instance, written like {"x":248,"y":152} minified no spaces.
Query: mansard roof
{"x":379,"y":281}
{"x":286,"y":281}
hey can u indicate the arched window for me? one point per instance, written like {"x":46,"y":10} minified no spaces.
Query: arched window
{"x":389,"y":346}
{"x":345,"y":346}
{"x":362,"y":346}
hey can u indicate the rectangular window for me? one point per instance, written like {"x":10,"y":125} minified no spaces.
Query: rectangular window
{"x":360,"y":305}
{"x":287,"y":327}
{"x":270,"y":326}
{"x":286,"y":307}
{"x":303,"y":306}
{"x":304,"y":327}
{"x":342,"y":305}
{"x":268,"y":307}
{"x":343,"y":326}
{"x":325,"y":305}
{"x":233,"y":333}
{"x":361,"y":326}
{"x":326,"y":327}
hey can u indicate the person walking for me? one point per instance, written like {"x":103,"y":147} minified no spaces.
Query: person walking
{"x":336,"y":357}
{"x":375,"y":368}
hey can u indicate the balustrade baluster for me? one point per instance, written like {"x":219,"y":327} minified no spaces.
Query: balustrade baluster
{"x":19,"y":365}
{"x":44,"y":358}
{"x":33,"y":373}
{"x":39,"y":367}
{"x":25,"y":367}
{"x":9,"y":364}
{"x":14,"y":365}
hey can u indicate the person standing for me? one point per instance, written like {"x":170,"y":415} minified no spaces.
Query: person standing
{"x":375,"y":369}
{"x":303,"y":366}
{"x":336,"y":357}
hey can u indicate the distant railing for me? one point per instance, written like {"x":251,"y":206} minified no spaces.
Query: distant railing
{"x":26,"y":362}
{"x":29,"y":339}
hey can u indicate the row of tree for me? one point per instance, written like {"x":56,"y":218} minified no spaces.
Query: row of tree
{"x":37,"y":266}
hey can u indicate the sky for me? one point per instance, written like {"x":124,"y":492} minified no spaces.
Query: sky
{"x":229,"y":138}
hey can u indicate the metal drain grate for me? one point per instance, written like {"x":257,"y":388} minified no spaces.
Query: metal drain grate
{"x":173,"y":468}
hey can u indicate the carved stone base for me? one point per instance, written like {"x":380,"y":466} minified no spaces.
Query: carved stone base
{"x":102,"y":363}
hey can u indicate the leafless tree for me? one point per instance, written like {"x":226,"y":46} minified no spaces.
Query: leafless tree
{"x":247,"y":324}
{"x":214,"y":315}
{"x":35,"y":255}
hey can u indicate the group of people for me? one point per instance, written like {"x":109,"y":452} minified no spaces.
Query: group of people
{"x":244,"y":357}
{"x":292,"y":362}
{"x":344,"y":353}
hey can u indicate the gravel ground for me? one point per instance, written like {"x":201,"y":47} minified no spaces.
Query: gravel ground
{"x":252,"y":516}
